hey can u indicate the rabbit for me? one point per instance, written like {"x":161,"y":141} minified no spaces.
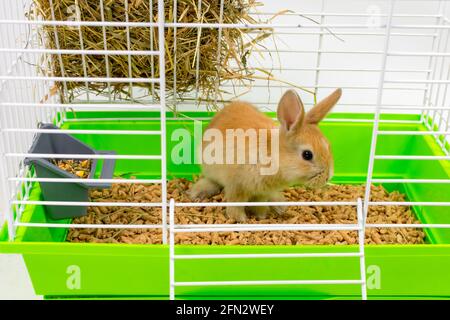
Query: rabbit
{"x":305,"y":155}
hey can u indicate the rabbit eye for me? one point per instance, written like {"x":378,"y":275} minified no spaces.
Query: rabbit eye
{"x":307,"y":155}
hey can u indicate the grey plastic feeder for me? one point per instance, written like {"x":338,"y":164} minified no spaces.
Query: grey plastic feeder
{"x":58,"y":143}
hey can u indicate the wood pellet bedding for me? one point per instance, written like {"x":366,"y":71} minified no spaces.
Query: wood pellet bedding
{"x":177,"y":189}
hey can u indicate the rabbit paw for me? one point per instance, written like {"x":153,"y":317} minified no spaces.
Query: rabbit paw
{"x":236,"y":213}
{"x":203,"y":188}
{"x":259,"y":212}
{"x":277,"y":197}
{"x":279,"y":210}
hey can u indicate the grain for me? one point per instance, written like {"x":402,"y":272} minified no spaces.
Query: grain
{"x":80,"y":168}
{"x":300,"y":215}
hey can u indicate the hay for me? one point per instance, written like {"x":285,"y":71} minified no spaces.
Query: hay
{"x":193,"y":46}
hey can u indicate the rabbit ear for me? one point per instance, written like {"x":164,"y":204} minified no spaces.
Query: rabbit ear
{"x":291,"y":112}
{"x":320,"y":110}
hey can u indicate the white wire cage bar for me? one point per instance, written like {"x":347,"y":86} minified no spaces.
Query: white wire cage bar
{"x":51,"y":108}
{"x":437,"y":30}
{"x":174,"y":228}
{"x":371,"y":71}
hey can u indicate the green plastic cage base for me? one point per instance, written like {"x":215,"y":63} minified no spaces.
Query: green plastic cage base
{"x":60,"y":269}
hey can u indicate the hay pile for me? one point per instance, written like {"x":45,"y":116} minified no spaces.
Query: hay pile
{"x":177,"y":189}
{"x":217,"y":60}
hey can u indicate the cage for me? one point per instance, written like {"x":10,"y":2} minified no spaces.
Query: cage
{"x":391,"y":58}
